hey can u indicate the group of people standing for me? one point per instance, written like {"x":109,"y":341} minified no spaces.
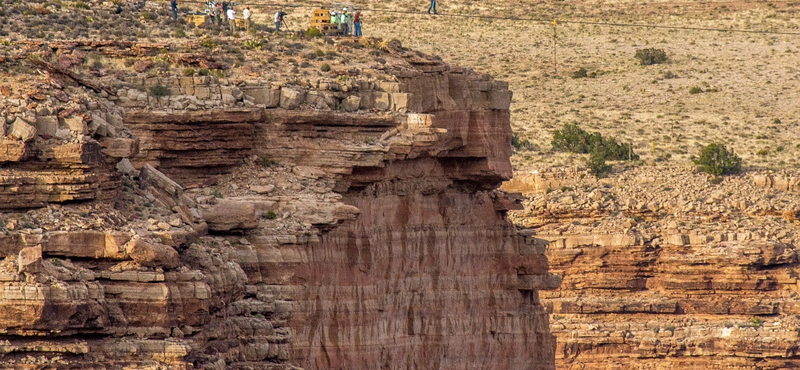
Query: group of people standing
{"x":221,"y":12}
{"x":343,"y":19}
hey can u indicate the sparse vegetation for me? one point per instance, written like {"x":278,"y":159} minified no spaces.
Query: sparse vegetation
{"x":208,"y":43}
{"x":159,"y":91}
{"x":313,"y":32}
{"x":650,"y":56}
{"x":580,"y":73}
{"x":572,"y":138}
{"x":715,"y":159}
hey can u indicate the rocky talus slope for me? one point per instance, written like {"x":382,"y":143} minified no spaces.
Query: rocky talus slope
{"x":153,"y":219}
{"x":662,"y":269}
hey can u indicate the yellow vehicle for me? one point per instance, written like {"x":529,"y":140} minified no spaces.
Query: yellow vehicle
{"x":321,"y":19}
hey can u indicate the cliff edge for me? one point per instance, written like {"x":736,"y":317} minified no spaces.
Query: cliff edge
{"x":247,"y":218}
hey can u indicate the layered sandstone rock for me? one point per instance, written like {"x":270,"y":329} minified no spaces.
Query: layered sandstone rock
{"x":328,"y":226}
{"x":656,"y":279}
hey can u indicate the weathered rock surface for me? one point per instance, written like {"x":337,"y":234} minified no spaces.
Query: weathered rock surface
{"x":662,"y":270}
{"x":255,"y":226}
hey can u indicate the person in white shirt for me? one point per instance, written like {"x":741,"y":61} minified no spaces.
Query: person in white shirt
{"x":279,"y":19}
{"x":246,"y":16}
{"x":232,"y":18}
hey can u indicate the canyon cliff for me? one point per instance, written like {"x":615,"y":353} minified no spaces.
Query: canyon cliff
{"x":662,"y":269}
{"x":352,"y":222}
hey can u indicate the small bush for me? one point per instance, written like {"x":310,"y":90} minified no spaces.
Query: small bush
{"x":669,"y":75}
{"x":575,"y":140}
{"x":180,"y":32}
{"x":325,"y":67}
{"x":695,"y":90}
{"x":208,"y":43}
{"x":252,"y":45}
{"x":597,"y":165}
{"x":188,"y":72}
{"x":313,"y":32}
{"x":159,"y":91}
{"x":650,"y":56}
{"x":319,"y":52}
{"x":80,"y":5}
{"x":268,"y":162}
{"x":520,"y":143}
{"x":270,"y":215}
{"x":203,"y":72}
{"x":715,"y":159}
{"x":580,"y":73}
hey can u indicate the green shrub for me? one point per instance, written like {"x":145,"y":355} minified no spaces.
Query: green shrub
{"x":575,"y":140}
{"x":270,"y":215}
{"x":180,"y":32}
{"x":319,"y":52}
{"x":325,"y":67}
{"x":650,"y":56}
{"x":597,"y":165}
{"x":313,"y":32}
{"x":695,"y":90}
{"x":208,"y":43}
{"x":520,"y":143}
{"x":203,"y":72}
{"x":252,"y":45}
{"x":715,"y":159}
{"x":80,"y":5}
{"x":159,"y":91}
{"x":268,"y":162}
{"x":580,"y":73}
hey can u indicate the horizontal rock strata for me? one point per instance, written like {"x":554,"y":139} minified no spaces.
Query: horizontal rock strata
{"x":250,"y":225}
{"x":653,"y":279}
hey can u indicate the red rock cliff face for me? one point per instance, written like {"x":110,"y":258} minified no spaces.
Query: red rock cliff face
{"x":271,"y":235}
{"x":431,"y":274}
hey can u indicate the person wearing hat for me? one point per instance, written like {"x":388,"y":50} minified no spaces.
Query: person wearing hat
{"x":246,"y":16}
{"x":344,"y":20}
{"x":279,"y":19}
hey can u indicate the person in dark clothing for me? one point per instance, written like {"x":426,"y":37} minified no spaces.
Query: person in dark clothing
{"x":433,"y":6}
{"x":118,"y":10}
{"x":224,"y":10}
{"x":174,"y":5}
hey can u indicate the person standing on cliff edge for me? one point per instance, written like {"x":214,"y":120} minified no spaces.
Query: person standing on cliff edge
{"x":433,"y":6}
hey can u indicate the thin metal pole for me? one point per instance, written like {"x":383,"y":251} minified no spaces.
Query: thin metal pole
{"x":555,"y":49}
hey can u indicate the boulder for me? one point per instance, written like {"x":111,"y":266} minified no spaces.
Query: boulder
{"x":47,"y":125}
{"x":125,"y":166}
{"x":22,"y":130}
{"x":30,"y":260}
{"x":120,"y":147}
{"x":152,"y":254}
{"x":231,"y":214}
{"x":383,"y":101}
{"x":99,"y":126}
{"x":292,"y":97}
{"x":351,"y":103}
{"x":76,"y":124}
